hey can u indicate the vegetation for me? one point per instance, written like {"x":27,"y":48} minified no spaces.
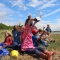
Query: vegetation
{"x":54,"y":46}
{"x":3,"y":26}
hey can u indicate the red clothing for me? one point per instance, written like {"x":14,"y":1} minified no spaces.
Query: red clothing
{"x":8,"y":40}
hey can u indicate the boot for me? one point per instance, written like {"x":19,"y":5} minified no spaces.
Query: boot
{"x":49,"y":54}
{"x":44,"y":56}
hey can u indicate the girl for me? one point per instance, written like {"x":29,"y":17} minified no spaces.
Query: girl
{"x":27,"y":43}
{"x":8,"y":38}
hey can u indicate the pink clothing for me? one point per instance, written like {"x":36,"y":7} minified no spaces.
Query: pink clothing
{"x":27,"y":38}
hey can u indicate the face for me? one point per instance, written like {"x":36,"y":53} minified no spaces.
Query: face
{"x":41,"y":32}
{"x":22,"y":29}
{"x":15,"y":27}
{"x":18,"y":28}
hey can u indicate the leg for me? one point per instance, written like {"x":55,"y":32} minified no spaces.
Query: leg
{"x":49,"y":54}
{"x":38,"y":53}
{"x":40,"y":49}
{"x":43,"y":43}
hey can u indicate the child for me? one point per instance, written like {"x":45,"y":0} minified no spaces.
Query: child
{"x":35,"y":37}
{"x":8,"y":38}
{"x":48,"y":38}
{"x":16,"y":35}
{"x":43,"y":37}
{"x":27,"y":43}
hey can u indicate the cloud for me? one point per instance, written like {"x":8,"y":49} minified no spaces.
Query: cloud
{"x":34,"y":3}
{"x":2,"y":14}
{"x":1,"y":5}
{"x":38,"y":18}
{"x":6,"y":14}
{"x":41,"y":4}
{"x":54,"y":26}
{"x":21,"y":22}
{"x":19,"y":3}
{"x":4,"y":9}
{"x":52,"y":13}
{"x":50,"y":3}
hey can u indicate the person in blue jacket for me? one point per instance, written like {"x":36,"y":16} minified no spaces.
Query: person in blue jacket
{"x":16,"y":36}
{"x":37,"y":39}
{"x":48,"y":29}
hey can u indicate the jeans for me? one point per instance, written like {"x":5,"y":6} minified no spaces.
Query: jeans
{"x":14,"y":46}
{"x":36,"y":50}
{"x":43,"y":43}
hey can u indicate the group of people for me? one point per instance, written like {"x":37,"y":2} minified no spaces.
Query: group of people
{"x":27,"y":38}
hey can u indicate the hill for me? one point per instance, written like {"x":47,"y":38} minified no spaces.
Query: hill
{"x":3,"y":26}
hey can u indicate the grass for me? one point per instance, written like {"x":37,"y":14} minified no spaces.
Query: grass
{"x":2,"y":35}
{"x":53,"y":46}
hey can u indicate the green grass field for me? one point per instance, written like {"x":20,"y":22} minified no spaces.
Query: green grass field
{"x":54,"y":46}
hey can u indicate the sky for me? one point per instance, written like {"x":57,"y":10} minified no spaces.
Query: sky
{"x":15,"y":12}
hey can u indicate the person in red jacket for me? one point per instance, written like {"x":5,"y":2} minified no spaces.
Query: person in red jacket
{"x":8,"y":38}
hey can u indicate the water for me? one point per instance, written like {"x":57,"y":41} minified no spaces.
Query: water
{"x":55,"y":32}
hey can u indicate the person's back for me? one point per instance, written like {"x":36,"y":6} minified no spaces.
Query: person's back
{"x":16,"y":36}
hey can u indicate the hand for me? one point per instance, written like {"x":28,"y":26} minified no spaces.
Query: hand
{"x":5,"y":44}
{"x":0,"y":47}
{"x":36,"y":20}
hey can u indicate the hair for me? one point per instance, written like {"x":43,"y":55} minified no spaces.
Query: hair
{"x":48,"y":25}
{"x":27,"y":20}
{"x":9,"y":33}
{"x":40,"y":30}
{"x":13,"y":29}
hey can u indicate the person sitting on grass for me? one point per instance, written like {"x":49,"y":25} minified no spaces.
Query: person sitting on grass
{"x":42,"y":39}
{"x":8,"y":38}
{"x":48,"y":38}
{"x":16,"y":35}
{"x":27,"y":43}
{"x":37,"y":34}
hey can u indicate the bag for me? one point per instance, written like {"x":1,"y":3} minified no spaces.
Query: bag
{"x":5,"y":52}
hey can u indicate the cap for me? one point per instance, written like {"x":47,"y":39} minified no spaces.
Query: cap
{"x":34,"y":31}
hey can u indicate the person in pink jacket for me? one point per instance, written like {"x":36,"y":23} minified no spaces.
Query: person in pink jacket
{"x":27,"y":43}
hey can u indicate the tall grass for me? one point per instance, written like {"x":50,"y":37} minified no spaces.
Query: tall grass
{"x":55,"y":45}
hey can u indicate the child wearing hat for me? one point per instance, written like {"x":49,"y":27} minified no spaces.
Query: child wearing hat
{"x":37,"y":37}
